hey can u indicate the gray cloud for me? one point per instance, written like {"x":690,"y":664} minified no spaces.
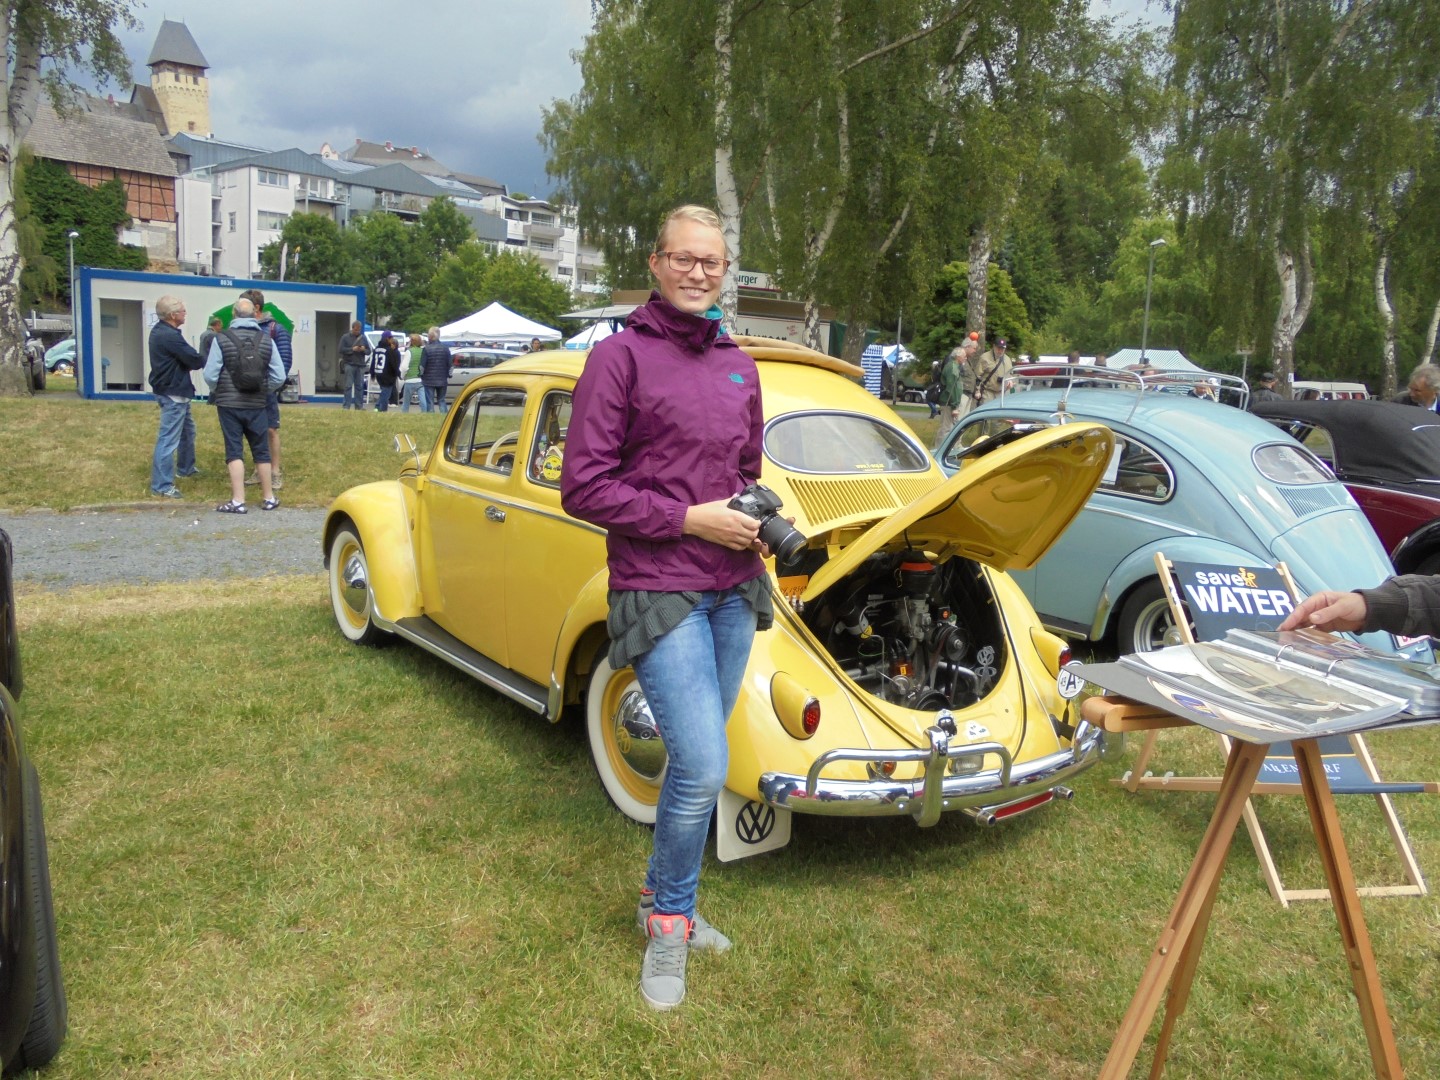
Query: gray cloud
{"x":464,"y":82}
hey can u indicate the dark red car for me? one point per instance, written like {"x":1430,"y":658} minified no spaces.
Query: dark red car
{"x":1388,"y":456}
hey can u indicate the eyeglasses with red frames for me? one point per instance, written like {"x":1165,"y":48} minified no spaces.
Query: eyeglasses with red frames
{"x":683,"y":262}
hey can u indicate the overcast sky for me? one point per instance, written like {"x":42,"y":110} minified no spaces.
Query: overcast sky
{"x":465,"y":82}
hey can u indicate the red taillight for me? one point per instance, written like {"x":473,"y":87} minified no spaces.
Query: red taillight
{"x":810,"y":717}
{"x":1021,"y":805}
{"x":1066,"y":656}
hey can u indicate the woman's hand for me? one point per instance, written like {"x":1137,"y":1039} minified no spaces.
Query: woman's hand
{"x":1327,"y":610}
{"x":718,"y":523}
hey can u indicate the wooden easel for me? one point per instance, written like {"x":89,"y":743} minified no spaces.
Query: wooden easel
{"x":1176,"y":955}
{"x":1370,"y":783}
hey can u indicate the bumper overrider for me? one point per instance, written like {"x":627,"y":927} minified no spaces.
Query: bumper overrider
{"x":986,"y":795}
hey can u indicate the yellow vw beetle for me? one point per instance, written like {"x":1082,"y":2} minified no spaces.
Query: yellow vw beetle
{"x":905,"y":675}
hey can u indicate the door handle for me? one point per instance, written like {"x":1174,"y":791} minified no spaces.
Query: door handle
{"x":494,"y":513}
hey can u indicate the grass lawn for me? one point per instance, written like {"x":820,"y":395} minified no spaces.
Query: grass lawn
{"x":277,"y":854}
{"x":63,"y":451}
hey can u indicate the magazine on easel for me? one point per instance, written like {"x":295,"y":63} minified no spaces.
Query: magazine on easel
{"x":1268,"y":687}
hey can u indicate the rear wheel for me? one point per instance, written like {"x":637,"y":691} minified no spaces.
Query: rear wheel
{"x":625,"y":742}
{"x":49,"y":1013}
{"x":351,"y":594}
{"x":1146,"y":622}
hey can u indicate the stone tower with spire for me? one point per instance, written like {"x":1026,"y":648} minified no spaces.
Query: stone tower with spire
{"x":177,"y":78}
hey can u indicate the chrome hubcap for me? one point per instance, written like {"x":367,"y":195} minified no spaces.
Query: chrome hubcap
{"x":637,"y":736}
{"x":354,"y":587}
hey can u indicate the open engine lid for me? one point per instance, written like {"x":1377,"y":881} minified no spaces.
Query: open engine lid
{"x":1004,"y":509}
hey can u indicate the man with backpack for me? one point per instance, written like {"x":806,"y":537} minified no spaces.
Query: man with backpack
{"x":244,"y":366}
{"x":281,"y":337}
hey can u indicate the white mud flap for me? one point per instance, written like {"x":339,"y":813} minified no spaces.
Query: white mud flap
{"x":744,"y":828}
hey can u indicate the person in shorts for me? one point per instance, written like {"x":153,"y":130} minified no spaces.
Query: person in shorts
{"x":243,"y":414}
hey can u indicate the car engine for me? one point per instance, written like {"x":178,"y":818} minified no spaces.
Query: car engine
{"x":914,"y":633}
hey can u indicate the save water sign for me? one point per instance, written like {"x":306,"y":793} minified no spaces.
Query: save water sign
{"x":1221,"y":597}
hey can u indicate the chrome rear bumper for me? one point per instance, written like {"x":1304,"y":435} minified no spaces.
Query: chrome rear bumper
{"x":985,"y":794}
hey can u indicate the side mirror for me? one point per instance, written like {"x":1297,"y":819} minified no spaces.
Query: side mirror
{"x":404,"y":444}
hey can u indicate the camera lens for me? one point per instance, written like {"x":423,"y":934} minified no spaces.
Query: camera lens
{"x":783,"y":539}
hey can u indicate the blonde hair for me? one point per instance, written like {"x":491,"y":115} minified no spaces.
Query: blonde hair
{"x":701,"y":215}
{"x":416,"y":339}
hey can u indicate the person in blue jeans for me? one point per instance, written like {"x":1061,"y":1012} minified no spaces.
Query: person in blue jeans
{"x":354,"y":355}
{"x":435,"y":360}
{"x":172,"y":359}
{"x":665,"y":430}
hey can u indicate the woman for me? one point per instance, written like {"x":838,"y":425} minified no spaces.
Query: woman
{"x":665,"y":431}
{"x":388,"y":372}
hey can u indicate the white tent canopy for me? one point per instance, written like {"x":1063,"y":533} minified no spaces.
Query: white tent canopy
{"x":497,"y":323}
{"x":596,"y":331}
{"x":1164,"y":359}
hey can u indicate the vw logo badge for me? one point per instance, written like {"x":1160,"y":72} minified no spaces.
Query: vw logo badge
{"x":755,"y":822}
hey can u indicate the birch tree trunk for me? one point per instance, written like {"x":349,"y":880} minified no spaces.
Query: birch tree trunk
{"x":22,"y":96}
{"x":1297,"y":287}
{"x":978,"y":284}
{"x":1386,"y":309}
{"x":1428,"y":355}
{"x":727,"y":196}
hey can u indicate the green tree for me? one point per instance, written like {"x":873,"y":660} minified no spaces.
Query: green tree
{"x":942,"y":325}
{"x":458,"y":285}
{"x":318,"y":251}
{"x":442,"y":229}
{"x":520,"y":282}
{"x":386,"y":260}
{"x":42,"y":41}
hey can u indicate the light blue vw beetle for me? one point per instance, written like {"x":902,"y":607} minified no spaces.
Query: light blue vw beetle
{"x":1201,"y":481}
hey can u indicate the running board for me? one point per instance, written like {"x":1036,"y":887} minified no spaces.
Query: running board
{"x":423,"y":631}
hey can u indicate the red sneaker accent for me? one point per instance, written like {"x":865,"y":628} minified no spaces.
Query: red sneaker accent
{"x":658,"y":924}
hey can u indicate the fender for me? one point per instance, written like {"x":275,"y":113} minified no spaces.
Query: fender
{"x":1139,"y":565}
{"x":584,"y":625}
{"x":1416,"y":548}
{"x":381,"y":512}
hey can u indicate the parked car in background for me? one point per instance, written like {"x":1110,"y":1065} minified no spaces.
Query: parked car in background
{"x":1199,"y":481}
{"x":469,"y":361}
{"x":905,"y":675}
{"x":33,"y":359}
{"x":33,"y":1011}
{"x":60,"y":357}
{"x":1327,"y":391}
{"x":1388,"y":458}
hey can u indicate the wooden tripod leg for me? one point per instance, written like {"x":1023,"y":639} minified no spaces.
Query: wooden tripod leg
{"x":1137,"y":771}
{"x":1184,"y":931}
{"x":1354,"y":935}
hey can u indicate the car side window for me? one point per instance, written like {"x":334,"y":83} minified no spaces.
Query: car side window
{"x":1318,"y":441}
{"x":1139,"y":472}
{"x":487,"y":433}
{"x":460,"y":442}
{"x":547,"y":452}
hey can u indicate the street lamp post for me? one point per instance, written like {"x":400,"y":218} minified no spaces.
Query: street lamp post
{"x":1158,"y":242}
{"x":70,"y":239}
{"x":198,"y":268}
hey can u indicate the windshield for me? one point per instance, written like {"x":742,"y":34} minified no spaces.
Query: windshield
{"x":841,"y":443}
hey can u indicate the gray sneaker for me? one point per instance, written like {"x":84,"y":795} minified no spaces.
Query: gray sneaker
{"x":171,"y":492}
{"x":703,"y":936}
{"x":662,"y":975}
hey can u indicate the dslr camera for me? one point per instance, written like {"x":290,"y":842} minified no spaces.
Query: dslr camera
{"x":783,"y":539}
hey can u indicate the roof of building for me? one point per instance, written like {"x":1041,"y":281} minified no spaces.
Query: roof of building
{"x":174,"y":45}
{"x":398,"y":178}
{"x":293,"y":160}
{"x":144,"y":105}
{"x":380,"y":154}
{"x":483,"y":184}
{"x":206,"y":153}
{"x":99,"y":132}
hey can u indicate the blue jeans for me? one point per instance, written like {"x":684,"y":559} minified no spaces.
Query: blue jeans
{"x":691,"y":678}
{"x":353,"y":379}
{"x":387,"y":395}
{"x":433,"y":398}
{"x":177,"y":433}
{"x":411,"y":391}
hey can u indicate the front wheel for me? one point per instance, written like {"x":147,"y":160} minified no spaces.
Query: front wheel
{"x":625,"y":741}
{"x":49,"y":1013}
{"x":1146,"y":622}
{"x":351,"y":594}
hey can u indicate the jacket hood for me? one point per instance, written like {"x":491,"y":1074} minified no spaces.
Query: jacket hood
{"x":660,"y":318}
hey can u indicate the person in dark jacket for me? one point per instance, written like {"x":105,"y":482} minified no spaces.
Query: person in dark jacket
{"x":172,"y":359}
{"x":434,"y":372}
{"x":281,"y":337}
{"x":1406,"y":604}
{"x":665,"y":431}
{"x":388,"y":370}
{"x":1266,"y":390}
{"x":242,"y":413}
{"x":354,"y":351}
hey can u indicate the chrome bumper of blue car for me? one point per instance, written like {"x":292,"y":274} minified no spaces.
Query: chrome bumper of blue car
{"x":987,"y":795}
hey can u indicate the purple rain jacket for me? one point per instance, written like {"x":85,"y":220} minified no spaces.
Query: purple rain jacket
{"x":666,"y":416}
